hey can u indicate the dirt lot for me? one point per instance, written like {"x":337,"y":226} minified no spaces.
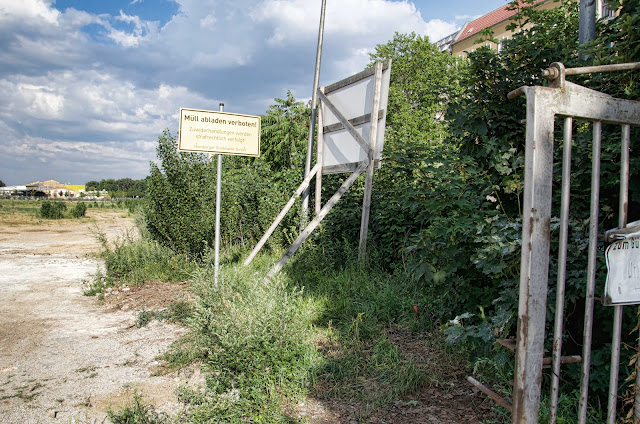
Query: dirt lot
{"x":65,"y":357}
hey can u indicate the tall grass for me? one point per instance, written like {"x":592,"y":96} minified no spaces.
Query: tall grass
{"x":338,"y":332}
{"x":257,"y":344}
{"x":134,"y":261}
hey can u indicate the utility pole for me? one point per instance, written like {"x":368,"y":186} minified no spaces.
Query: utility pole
{"x":587,"y":29}
{"x":314,"y":110}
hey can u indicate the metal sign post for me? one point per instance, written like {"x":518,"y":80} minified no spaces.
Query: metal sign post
{"x":216,"y":260}
{"x":314,"y":109}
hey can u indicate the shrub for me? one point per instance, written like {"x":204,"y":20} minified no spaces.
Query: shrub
{"x":136,"y":261}
{"x":52,"y":210}
{"x":78,"y":210}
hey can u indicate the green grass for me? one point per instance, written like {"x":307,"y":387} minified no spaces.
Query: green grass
{"x":17,"y":212}
{"x":340,"y":333}
{"x":178,"y":312}
{"x":136,"y":261}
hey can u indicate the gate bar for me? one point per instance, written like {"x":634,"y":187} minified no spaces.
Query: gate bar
{"x":617,"y":317}
{"x":591,"y":272}
{"x":552,"y":73}
{"x":562,"y":269}
{"x":534,"y":259}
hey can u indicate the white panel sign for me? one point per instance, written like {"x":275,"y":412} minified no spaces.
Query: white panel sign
{"x":354,"y":101}
{"x":224,"y":133}
{"x":623,"y":276}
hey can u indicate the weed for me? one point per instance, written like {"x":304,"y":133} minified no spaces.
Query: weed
{"x":183,"y":352}
{"x":137,"y":413}
{"x":135,"y":261}
{"x":256,"y":341}
{"x":145,"y":316}
{"x":176,"y":312}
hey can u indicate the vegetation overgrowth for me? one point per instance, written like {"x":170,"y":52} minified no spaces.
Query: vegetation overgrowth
{"x":21,"y":211}
{"x":59,"y":210}
{"x":444,"y":234}
{"x":123,"y":187}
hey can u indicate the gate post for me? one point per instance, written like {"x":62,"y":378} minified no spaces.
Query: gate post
{"x":534,"y":266}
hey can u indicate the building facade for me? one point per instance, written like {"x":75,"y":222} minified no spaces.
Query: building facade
{"x":466,"y":39}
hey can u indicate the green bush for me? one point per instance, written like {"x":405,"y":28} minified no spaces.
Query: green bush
{"x":78,"y":210}
{"x":135,"y":261}
{"x":52,"y":210}
{"x":180,"y":208}
{"x":257,"y":346}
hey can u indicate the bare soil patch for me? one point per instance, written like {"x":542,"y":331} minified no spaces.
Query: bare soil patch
{"x":65,"y":357}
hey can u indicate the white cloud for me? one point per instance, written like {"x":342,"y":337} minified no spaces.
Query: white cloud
{"x":142,"y":30}
{"x":28,"y":10}
{"x":208,"y":21}
{"x":77,"y":86}
{"x":294,"y":21}
{"x":467,"y":17}
{"x":439,"y":29}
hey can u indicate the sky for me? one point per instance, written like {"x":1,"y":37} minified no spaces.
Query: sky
{"x":87,"y":86}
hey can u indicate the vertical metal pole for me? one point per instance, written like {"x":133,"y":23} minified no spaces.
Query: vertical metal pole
{"x":562,"y":270}
{"x":314,"y":110}
{"x":587,"y":24}
{"x":534,"y":262}
{"x":319,"y":159}
{"x":623,"y":218}
{"x":617,"y":312}
{"x":216,"y":260}
{"x":591,"y":273}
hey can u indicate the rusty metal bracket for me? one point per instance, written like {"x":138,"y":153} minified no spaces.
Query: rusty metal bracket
{"x":556,"y":74}
{"x":622,"y":233}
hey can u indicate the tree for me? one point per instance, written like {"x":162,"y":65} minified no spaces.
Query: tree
{"x":180,"y":208}
{"x":2,"y":184}
{"x":284,"y":133}
{"x":422,"y":81}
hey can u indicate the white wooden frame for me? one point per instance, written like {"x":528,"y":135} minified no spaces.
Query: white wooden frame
{"x":371,"y":147}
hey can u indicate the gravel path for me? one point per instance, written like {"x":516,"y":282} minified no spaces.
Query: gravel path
{"x":65,"y":357}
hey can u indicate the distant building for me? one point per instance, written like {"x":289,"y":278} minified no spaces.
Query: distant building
{"x":75,"y":190}
{"x":55,"y":189}
{"x":445,"y":44}
{"x":9,"y":191}
{"x":463,"y":41}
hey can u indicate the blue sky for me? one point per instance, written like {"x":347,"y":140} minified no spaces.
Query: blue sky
{"x":86,"y":86}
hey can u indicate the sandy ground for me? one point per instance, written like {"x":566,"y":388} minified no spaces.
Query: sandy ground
{"x":65,"y":357}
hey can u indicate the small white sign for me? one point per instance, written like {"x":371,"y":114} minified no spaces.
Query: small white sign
{"x":623,"y":276}
{"x":205,"y":131}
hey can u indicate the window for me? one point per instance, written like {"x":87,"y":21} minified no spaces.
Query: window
{"x":501,"y":43}
{"x":605,"y":11}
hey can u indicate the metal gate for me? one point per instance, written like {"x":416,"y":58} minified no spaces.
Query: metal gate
{"x":544,"y":104}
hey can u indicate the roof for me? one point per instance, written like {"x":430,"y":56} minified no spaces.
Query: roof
{"x":487,"y":21}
